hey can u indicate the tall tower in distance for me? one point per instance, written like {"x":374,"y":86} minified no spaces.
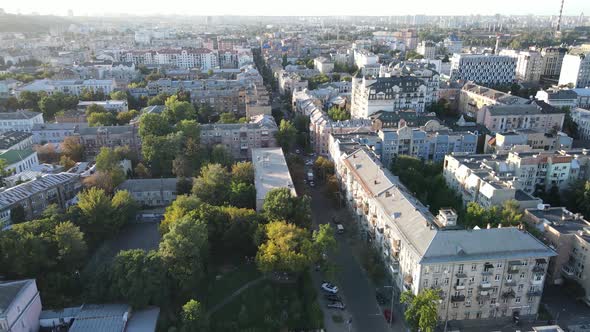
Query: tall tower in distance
{"x":558,"y":30}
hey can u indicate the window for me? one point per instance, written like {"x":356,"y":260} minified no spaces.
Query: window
{"x":425,"y":283}
{"x":469,"y":291}
{"x":446,"y":281}
{"x":520,"y":287}
{"x":460,"y":268}
{"x":473,"y":267}
{"x":497,"y":277}
{"x":435,"y":283}
{"x":455,"y":305}
{"x":509,"y":277}
{"x":493,"y":301}
{"x":522,"y":275}
{"x":517,"y":300}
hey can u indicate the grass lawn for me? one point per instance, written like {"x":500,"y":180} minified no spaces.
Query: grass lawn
{"x":270,"y":306}
{"x":231,"y":278}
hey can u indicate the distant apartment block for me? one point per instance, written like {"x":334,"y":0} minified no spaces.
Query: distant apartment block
{"x":19,"y":160}
{"x":95,"y":138}
{"x":55,"y":132}
{"x":19,"y":120}
{"x":34,"y":196}
{"x":483,"y":68}
{"x":552,"y":60}
{"x":473,"y":98}
{"x":241,"y":138}
{"x":73,"y":87}
{"x":535,"y":139}
{"x":529,"y":65}
{"x":109,"y":105}
{"x":151,"y":192}
{"x":537,"y":115}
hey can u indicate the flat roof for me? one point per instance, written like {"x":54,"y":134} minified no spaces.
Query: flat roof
{"x":270,"y":171}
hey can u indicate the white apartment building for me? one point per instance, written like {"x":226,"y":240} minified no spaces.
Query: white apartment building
{"x":201,"y":58}
{"x":529,"y":65}
{"x":483,"y":68}
{"x":476,"y":278}
{"x":74,"y":87}
{"x":427,"y":49}
{"x":582,"y":118}
{"x":366,"y":61}
{"x":323,"y":65}
{"x":20,"y":306}
{"x":575,"y":70}
{"x":558,"y":98}
{"x":19,"y":120}
{"x":388,"y":94}
{"x":109,"y":105}
{"x":18,"y":161}
{"x":473,"y":98}
{"x":270,"y":172}
{"x":537,"y":115}
{"x":290,"y":82}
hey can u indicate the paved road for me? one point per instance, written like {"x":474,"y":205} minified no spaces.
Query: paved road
{"x":356,"y":289}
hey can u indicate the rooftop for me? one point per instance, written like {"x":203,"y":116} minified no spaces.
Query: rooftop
{"x":14,"y":156}
{"x":101,"y":318}
{"x":271,"y":171}
{"x":25,"y":190}
{"x":11,"y":138}
{"x":134,"y":185}
{"x":9,"y":291}
{"x":18,"y":115}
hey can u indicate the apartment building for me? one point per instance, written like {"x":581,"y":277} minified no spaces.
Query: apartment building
{"x":575,"y":70}
{"x":476,"y":278}
{"x":423,"y":70}
{"x":430,"y":142}
{"x":35,"y":195}
{"x":270,"y":172}
{"x":241,"y":138}
{"x":552,"y":60}
{"x":558,"y":98}
{"x":290,"y":82}
{"x":582,"y":118}
{"x":19,"y":160}
{"x":453,"y":44}
{"x":15,"y":140}
{"x":109,"y":105}
{"x":151,"y":192}
{"x":323,"y":65}
{"x":408,"y":36}
{"x":535,"y":139}
{"x":473,"y":98}
{"x":427,"y":49}
{"x":525,"y":170}
{"x":477,"y":178}
{"x":19,"y":120}
{"x":20,"y":306}
{"x":95,"y":138}
{"x":388,"y":94}
{"x":200,"y":58}
{"x":74,"y":87}
{"x":55,"y":132}
{"x":483,"y":68}
{"x":529,"y":65}
{"x":583,"y":97}
{"x":366,"y":61}
{"x":537,"y":115}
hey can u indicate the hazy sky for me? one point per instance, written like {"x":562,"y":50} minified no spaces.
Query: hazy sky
{"x":298,"y":7}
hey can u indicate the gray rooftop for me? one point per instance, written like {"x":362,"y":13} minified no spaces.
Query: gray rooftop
{"x":11,"y":138}
{"x":271,"y":171}
{"x":143,"y":320}
{"x":9,"y":291}
{"x":27,"y":189}
{"x":18,"y":115}
{"x":101,"y":318}
{"x":135,"y":185}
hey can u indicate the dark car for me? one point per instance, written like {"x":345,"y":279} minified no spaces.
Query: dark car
{"x":332,"y":297}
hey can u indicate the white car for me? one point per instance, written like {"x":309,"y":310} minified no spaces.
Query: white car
{"x":328,"y":287}
{"x":336,"y":305}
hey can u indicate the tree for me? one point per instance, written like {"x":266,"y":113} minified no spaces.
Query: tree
{"x":280,"y":204}
{"x":152,"y":124}
{"x":160,"y":151}
{"x":66,"y":162}
{"x":18,"y":214}
{"x":570,"y":127}
{"x":158,"y":100}
{"x":95,"y":108}
{"x":181,"y":206}
{"x":176,"y":111}
{"x":422,"y":309}
{"x":324,"y":239}
{"x":118,"y":95}
{"x":125,"y":206}
{"x":338,"y":114}
{"x":108,"y":162}
{"x":227,"y":117}
{"x":95,"y":214}
{"x":72,"y":148}
{"x":71,"y":246}
{"x":301,"y":123}
{"x":242,"y":195}
{"x":212,"y":186}
{"x":101,"y":119}
{"x":286,"y":135}
{"x":287,"y":248}
{"x":181,"y":167}
{"x":221,"y":155}
{"x":243,"y":172}
{"x":323,"y":167}
{"x":577,"y":197}
{"x":4,"y":172}
{"x":193,"y":317}
{"x":125,"y":117}
{"x":141,"y":171}
{"x":184,"y":250}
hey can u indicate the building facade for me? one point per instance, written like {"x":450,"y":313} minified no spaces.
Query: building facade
{"x":537,"y":115}
{"x":21,"y":306}
{"x":483,"y":68}
{"x":19,"y":120}
{"x":151,"y":192}
{"x":575,"y":70}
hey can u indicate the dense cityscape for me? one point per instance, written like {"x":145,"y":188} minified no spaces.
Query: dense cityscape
{"x":294,"y":173}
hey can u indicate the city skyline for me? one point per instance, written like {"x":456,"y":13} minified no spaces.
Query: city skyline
{"x":304,"y":8}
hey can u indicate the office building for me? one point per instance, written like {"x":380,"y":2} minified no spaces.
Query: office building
{"x":483,"y":68}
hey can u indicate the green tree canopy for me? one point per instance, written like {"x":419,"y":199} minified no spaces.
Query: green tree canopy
{"x":286,"y":135}
{"x":280,"y":204}
{"x":422,"y":309}
{"x":212,"y":186}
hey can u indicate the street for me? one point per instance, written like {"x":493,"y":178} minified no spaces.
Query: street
{"x":355,"y":287}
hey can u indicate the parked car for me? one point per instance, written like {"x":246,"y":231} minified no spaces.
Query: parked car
{"x":336,"y":305}
{"x":339,"y":229}
{"x":332,"y":297}
{"x":309,"y":163}
{"x":388,"y":315}
{"x":311,"y":184}
{"x":328,"y":287}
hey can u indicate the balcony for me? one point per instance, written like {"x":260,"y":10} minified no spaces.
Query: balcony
{"x":459,"y":287}
{"x":539,"y":268}
{"x":538,"y":282}
{"x":534,"y":293}
{"x":460,"y":275}
{"x":568,"y":271}
{"x":512,"y":270}
{"x":485,"y":285}
{"x":510,"y":283}
{"x":509,"y":294}
{"x":487,"y":272}
{"x":457,"y":298}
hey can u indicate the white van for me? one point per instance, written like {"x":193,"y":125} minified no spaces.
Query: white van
{"x":339,"y":229}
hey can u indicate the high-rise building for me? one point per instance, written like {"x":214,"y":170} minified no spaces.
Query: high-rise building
{"x":483,"y":68}
{"x":575,"y":70}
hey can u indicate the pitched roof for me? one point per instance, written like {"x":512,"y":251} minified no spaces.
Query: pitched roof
{"x":14,"y":156}
{"x":18,"y":115}
{"x":9,"y":291}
